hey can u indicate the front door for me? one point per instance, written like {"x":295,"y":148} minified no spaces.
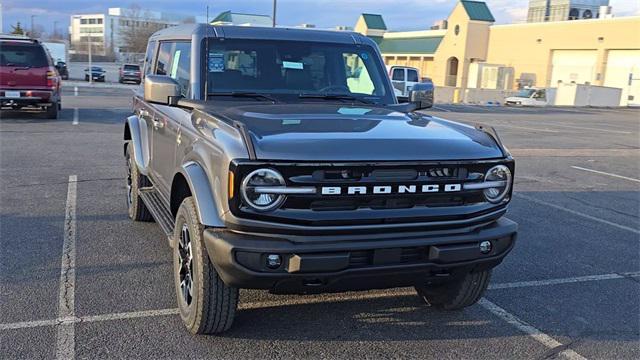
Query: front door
{"x":173,"y":61}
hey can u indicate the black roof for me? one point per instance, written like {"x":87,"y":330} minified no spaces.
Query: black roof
{"x":260,"y":33}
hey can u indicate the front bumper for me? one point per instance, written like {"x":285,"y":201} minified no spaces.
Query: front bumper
{"x":344,"y":263}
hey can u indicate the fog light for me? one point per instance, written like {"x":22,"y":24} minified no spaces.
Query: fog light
{"x":274,"y":261}
{"x":485,"y":247}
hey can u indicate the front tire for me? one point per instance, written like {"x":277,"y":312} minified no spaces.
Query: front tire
{"x":207,"y":305}
{"x":456,"y":294}
{"x":137,"y":209}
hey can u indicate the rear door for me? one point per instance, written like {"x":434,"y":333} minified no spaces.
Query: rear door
{"x":412,"y":79}
{"x":399,"y":79}
{"x":23,"y":66}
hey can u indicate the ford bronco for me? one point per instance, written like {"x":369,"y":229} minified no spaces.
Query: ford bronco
{"x":280,"y":159}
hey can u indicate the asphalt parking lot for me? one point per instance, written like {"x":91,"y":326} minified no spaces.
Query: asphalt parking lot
{"x":78,"y":279}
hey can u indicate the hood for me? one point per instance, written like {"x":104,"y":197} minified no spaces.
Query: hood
{"x":331,"y":132}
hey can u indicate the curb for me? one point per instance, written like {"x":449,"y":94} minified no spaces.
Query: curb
{"x":85,"y":84}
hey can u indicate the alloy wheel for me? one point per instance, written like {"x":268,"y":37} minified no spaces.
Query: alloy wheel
{"x":185,"y":255}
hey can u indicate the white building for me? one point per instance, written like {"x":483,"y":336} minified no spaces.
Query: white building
{"x":560,"y":10}
{"x":104,"y":30}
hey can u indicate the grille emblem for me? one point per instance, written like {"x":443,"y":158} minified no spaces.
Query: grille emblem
{"x":388,"y":189}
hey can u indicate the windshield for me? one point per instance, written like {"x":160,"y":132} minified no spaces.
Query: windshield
{"x":22,"y":55}
{"x":294,"y":68}
{"x":526,"y":93}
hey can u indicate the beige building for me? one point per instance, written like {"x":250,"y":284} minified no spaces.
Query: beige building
{"x":467,"y":51}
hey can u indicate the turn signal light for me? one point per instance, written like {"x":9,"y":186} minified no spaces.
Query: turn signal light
{"x":52,"y":78}
{"x":232,"y":181}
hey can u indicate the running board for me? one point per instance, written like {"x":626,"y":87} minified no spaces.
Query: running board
{"x":158,"y":210}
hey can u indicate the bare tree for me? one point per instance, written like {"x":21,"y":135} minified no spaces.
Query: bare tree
{"x":136,"y":28}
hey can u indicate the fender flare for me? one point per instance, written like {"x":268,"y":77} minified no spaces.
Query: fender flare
{"x":139,"y":140}
{"x":202,"y":194}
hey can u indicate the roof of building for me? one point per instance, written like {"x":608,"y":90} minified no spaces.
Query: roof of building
{"x":374,"y":21}
{"x":478,"y":10}
{"x":238,"y":19}
{"x":414,"y":45}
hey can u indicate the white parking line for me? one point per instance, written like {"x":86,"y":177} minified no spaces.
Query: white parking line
{"x":303,"y":300}
{"x":577,"y":213}
{"x":75,"y":91}
{"x":589,"y":128}
{"x":443,"y":109}
{"x":527,"y":128}
{"x":577,"y":279}
{"x":606,"y":173}
{"x":536,"y":334}
{"x":65,"y":344}
{"x":75,"y":117}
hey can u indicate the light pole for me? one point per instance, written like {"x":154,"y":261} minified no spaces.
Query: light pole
{"x":32,"y":26}
{"x":90,"y":68}
{"x":275,"y":6}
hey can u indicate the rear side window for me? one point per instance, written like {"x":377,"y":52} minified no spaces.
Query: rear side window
{"x":148,"y":58}
{"x":398,"y":75}
{"x":23,"y":55}
{"x":412,"y":76}
{"x":132,"y":67}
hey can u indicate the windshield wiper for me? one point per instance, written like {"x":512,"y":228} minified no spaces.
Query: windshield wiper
{"x":329,"y":96}
{"x":245,"y":95}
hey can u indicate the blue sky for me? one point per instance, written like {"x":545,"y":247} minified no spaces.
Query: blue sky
{"x":399,"y":14}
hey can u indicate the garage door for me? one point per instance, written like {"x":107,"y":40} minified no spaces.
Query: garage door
{"x":577,"y":66}
{"x":623,"y":71}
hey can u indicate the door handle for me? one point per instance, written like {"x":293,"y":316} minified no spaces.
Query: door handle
{"x":157,"y":124}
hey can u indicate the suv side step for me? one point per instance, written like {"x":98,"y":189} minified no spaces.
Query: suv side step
{"x":160,"y":212}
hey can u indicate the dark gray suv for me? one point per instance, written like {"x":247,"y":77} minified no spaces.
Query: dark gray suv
{"x":280,"y":159}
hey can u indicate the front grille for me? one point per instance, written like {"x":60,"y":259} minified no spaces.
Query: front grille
{"x":371,"y":208}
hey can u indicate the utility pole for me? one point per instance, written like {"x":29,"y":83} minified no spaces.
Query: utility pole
{"x":275,"y":6}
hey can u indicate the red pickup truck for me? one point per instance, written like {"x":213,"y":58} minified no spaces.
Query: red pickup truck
{"x":28,"y":77}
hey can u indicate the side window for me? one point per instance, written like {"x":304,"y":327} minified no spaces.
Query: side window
{"x":148,"y":58}
{"x":412,"y":76}
{"x":163,"y":62}
{"x":181,"y":66}
{"x":398,"y":75}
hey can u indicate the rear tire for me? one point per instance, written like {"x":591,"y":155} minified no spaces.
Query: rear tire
{"x":456,"y":294}
{"x":207,"y":305}
{"x":137,"y":209}
{"x":52,"y":111}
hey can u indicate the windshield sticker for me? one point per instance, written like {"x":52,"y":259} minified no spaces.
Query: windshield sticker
{"x":364,"y":56}
{"x":353,"y":111}
{"x":291,"y":122}
{"x":293,"y":65}
{"x":216,"y":62}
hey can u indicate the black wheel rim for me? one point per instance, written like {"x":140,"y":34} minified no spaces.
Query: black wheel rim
{"x":185,"y":255}
{"x":129,"y":184}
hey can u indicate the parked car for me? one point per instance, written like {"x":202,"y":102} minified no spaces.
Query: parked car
{"x":130,"y":73}
{"x":61,"y":66}
{"x":532,"y":97}
{"x":403,"y":78}
{"x":28,"y":78}
{"x":280,"y":159}
{"x":97,"y":74}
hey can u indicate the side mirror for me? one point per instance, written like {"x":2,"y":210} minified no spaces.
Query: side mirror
{"x":421,"y":96}
{"x":161,"y":89}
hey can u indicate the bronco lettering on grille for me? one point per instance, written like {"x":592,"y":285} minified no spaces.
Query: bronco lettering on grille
{"x":399,"y":189}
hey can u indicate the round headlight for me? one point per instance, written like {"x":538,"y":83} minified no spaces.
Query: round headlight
{"x":255,"y":187}
{"x":501,"y":176}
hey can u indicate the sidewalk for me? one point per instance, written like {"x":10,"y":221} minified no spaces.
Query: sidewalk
{"x":108,"y":85}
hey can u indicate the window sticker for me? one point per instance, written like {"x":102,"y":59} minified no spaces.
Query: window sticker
{"x":216,"y":62}
{"x":174,"y":64}
{"x":291,"y":122}
{"x":364,"y":56}
{"x":293,"y":65}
